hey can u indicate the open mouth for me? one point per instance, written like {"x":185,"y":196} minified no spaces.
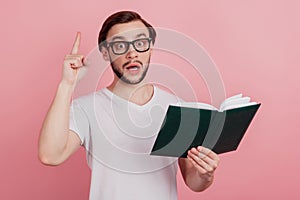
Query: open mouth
{"x":133,"y":67}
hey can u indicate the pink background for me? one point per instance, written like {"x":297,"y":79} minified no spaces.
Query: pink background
{"x":254,"y":43}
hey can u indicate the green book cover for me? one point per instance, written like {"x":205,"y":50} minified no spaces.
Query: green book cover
{"x":185,"y":127}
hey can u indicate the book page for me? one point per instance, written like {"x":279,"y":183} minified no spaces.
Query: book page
{"x":237,"y":101}
{"x":232,"y":102}
{"x":228,"y":107}
{"x":197,"y":105}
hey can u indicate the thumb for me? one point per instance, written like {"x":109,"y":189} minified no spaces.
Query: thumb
{"x":86,"y":61}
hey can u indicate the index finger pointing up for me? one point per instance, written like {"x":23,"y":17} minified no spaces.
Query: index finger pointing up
{"x":76,"y":44}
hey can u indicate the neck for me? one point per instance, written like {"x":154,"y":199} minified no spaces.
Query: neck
{"x":139,"y":93}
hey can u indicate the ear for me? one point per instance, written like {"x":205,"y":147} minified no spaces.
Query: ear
{"x":104,"y":52}
{"x":151,"y":46}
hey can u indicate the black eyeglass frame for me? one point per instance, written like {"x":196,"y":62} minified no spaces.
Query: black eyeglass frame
{"x":110,"y":44}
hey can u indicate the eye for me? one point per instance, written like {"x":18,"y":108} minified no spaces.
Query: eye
{"x":140,"y":43}
{"x":119,"y":45}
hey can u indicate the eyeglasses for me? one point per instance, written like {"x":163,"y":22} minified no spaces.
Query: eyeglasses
{"x":121,"y":47}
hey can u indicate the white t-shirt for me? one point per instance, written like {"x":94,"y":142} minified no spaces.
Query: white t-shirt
{"x":118,"y":137}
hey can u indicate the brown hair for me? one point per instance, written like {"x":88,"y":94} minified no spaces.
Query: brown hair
{"x":119,"y":18}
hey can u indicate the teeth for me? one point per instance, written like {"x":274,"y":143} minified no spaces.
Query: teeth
{"x":133,"y":68}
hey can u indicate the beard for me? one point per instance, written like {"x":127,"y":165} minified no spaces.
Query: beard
{"x":120,"y":74}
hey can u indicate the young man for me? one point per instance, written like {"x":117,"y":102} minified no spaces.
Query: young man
{"x":114,"y":124}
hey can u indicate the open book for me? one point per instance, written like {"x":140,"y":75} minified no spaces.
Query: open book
{"x":235,"y":101}
{"x":192,"y":124}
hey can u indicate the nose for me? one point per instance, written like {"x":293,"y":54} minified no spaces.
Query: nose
{"x":131,"y":53}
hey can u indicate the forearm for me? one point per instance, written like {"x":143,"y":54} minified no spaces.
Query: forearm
{"x":54,"y":132}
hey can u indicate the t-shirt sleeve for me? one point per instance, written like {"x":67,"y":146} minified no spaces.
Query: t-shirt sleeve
{"x":78,"y":122}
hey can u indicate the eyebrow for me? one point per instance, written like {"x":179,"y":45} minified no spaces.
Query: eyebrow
{"x":118,"y":38}
{"x":141,"y":34}
{"x":123,"y":38}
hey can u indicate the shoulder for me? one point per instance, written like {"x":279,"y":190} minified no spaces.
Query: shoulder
{"x":83,"y":99}
{"x":90,"y":98}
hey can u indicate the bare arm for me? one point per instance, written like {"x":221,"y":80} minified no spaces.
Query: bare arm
{"x":198,"y":168}
{"x":56,"y":141}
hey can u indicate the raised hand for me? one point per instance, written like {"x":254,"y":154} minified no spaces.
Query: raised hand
{"x":73,"y":66}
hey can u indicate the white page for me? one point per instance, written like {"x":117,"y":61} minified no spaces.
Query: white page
{"x":240,"y":105}
{"x":197,"y":105}
{"x":237,"y":101}
{"x":234,"y":97}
